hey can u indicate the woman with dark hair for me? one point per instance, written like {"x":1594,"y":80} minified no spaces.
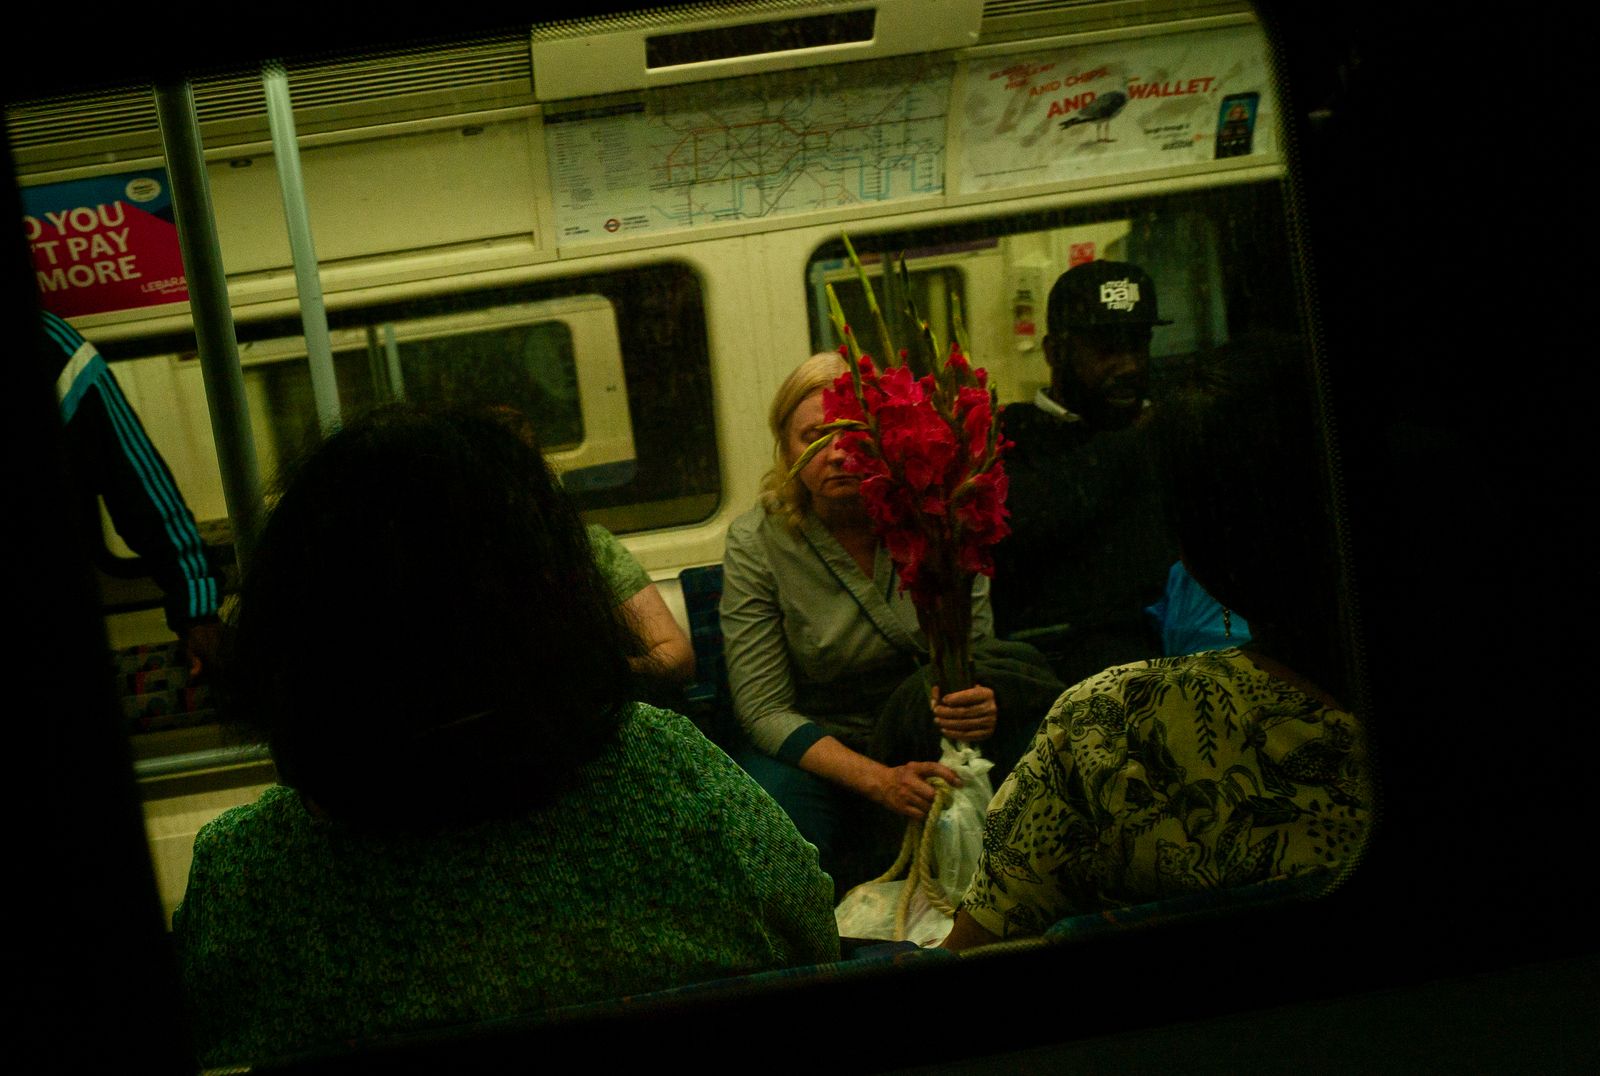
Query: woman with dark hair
{"x":1217,"y":769}
{"x":667,"y":656}
{"x":474,"y":820}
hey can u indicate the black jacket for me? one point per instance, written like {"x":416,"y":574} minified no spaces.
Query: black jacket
{"x":1089,"y":547}
{"x":110,"y":454}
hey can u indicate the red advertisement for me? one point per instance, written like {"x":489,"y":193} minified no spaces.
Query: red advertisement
{"x":106,"y":243}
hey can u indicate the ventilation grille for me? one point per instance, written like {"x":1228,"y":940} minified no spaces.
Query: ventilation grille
{"x":1001,"y":9}
{"x":325,"y":83}
{"x":476,"y":70}
{"x":1011,"y":20}
{"x":651,"y":18}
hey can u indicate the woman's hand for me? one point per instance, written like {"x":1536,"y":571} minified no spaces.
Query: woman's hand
{"x":905,"y":789}
{"x":965,"y":716}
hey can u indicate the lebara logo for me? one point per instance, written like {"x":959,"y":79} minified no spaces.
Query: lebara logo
{"x":143,"y":189}
{"x":1119,"y":295}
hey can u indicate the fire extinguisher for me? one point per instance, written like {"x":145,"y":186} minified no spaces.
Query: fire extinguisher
{"x":1024,"y":326}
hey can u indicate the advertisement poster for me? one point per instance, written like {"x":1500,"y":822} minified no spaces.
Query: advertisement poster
{"x":1115,"y":107}
{"x":107,"y":243}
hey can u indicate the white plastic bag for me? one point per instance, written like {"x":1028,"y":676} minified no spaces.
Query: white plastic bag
{"x":936,"y":863}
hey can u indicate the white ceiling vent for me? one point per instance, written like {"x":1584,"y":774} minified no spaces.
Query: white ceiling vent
{"x":585,"y":59}
{"x":325,"y":89}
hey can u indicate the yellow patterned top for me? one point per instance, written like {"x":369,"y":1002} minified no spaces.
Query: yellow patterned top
{"x":1166,"y":777}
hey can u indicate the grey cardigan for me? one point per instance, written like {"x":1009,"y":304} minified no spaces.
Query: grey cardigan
{"x":810,"y":640}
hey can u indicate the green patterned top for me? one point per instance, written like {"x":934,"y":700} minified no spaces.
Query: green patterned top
{"x":622,"y":572}
{"x":1166,"y":777}
{"x":668,"y":867}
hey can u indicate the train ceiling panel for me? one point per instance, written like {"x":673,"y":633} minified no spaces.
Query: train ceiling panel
{"x":579,"y":60}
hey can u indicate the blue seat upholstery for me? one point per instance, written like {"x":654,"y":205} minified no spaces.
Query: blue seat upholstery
{"x":707,"y":693}
{"x":1192,"y":906}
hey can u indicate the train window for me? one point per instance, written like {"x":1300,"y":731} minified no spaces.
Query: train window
{"x":935,"y":290}
{"x":613,"y":368}
{"x":1219,"y":259}
{"x":585,"y":296}
{"x":529,"y":366}
{"x":521,"y":356}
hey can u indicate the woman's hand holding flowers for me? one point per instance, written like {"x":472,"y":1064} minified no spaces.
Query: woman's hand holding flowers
{"x":966,"y":716}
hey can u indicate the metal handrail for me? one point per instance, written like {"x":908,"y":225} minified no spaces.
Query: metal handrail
{"x":194,"y":761}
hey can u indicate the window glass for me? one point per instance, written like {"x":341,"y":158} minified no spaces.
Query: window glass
{"x":935,"y":292}
{"x":283,"y":409}
{"x":1219,"y":258}
{"x":612,"y":368}
{"x":495,"y":357}
{"x":529,"y":367}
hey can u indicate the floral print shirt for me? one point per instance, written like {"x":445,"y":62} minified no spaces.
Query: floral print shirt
{"x":1166,"y":777}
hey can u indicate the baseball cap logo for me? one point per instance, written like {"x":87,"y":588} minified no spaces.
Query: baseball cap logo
{"x":1119,"y":294}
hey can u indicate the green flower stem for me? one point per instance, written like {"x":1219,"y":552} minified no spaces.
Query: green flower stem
{"x":958,"y":325}
{"x":891,"y":357}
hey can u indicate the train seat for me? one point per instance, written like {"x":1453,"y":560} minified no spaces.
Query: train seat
{"x":153,"y":685}
{"x":709,"y":699}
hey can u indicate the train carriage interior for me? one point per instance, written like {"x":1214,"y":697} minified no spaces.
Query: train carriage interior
{"x":628,"y":223}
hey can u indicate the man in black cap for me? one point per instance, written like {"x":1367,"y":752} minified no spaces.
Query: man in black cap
{"x":1090,"y":547}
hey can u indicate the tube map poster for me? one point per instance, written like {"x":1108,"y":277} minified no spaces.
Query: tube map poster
{"x":750,"y":149}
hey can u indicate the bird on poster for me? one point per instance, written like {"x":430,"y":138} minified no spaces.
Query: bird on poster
{"x":1100,"y":112}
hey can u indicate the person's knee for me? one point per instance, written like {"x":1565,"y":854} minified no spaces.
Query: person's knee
{"x":809,"y":801}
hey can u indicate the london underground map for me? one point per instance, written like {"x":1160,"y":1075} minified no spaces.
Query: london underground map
{"x":749,"y":149}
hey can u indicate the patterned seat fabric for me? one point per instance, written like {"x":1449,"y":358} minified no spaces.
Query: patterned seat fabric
{"x":153,"y":682}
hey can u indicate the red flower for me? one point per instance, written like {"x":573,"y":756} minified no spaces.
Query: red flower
{"x":842,"y":404}
{"x":917,"y":443}
{"x":894,"y":387}
{"x":907,"y":546}
{"x":983,"y":514}
{"x":859,"y":456}
{"x":888,"y":502}
{"x":934,"y":493}
{"x":972,"y":404}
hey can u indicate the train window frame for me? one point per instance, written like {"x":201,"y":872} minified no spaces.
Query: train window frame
{"x":1348,"y":947}
{"x":1092,"y":211}
{"x":631,"y":363}
{"x":382,"y":348}
{"x":635,"y":303}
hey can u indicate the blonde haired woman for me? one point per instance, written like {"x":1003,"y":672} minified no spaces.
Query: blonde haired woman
{"x":818,"y":638}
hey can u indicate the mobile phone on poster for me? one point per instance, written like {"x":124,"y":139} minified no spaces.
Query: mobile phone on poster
{"x":1236,"y":124}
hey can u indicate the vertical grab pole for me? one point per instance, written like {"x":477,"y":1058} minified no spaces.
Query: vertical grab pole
{"x":391,"y":352}
{"x":213,"y":321}
{"x":313,"y":315}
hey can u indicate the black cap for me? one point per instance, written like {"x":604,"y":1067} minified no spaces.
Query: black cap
{"x":1102,"y":295}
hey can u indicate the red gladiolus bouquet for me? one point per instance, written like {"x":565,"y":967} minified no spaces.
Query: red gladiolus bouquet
{"x":928,"y":449}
